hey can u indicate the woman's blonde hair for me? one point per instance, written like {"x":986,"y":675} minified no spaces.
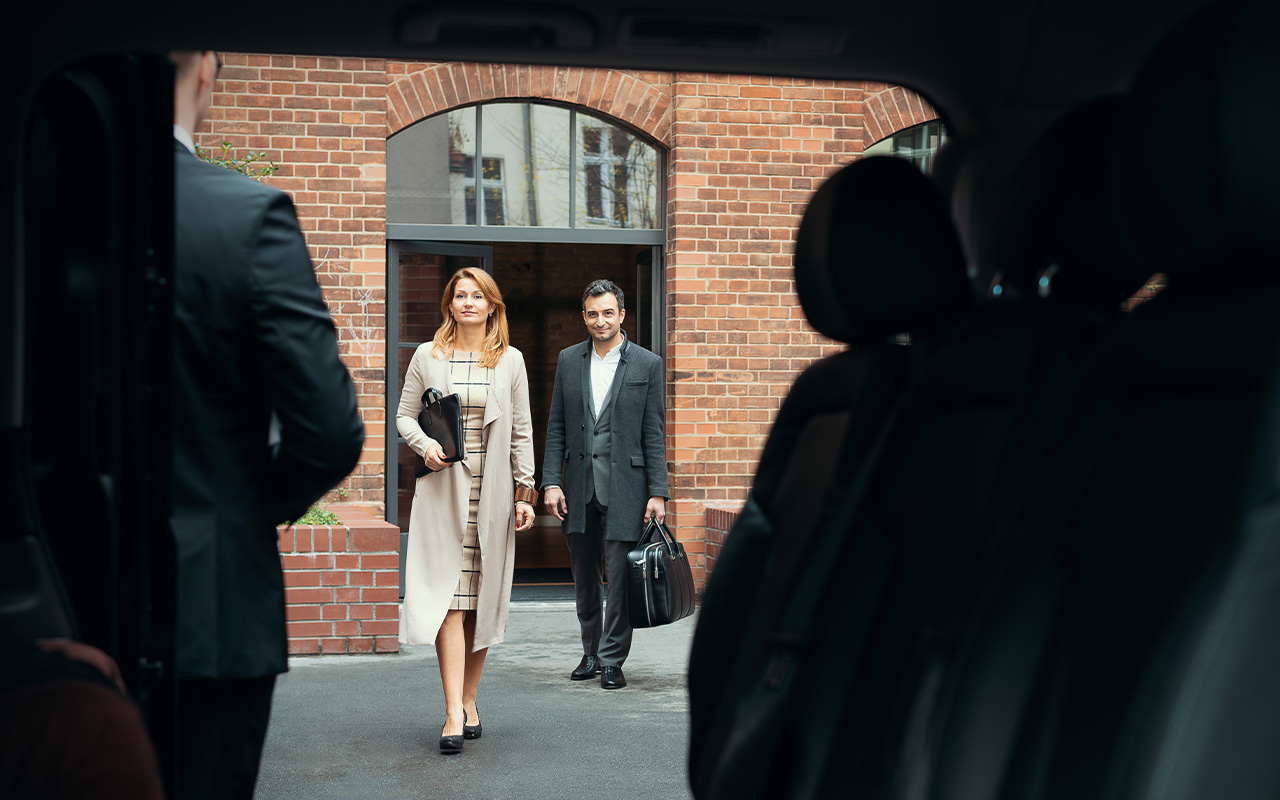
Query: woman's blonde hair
{"x":496,"y":340}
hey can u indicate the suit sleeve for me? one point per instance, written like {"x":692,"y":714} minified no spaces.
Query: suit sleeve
{"x":321,"y":433}
{"x":654,"y":432}
{"x":553,"y":458}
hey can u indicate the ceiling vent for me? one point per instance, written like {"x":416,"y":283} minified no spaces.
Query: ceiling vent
{"x":818,"y":40}
{"x":532,"y":27}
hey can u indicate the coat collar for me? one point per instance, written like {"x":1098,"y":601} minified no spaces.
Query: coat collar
{"x":626,"y":345}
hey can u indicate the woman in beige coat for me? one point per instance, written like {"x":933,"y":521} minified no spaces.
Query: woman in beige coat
{"x":461,"y":551}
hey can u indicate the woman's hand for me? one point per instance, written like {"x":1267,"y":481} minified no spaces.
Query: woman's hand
{"x":524,"y":516}
{"x":434,"y":458}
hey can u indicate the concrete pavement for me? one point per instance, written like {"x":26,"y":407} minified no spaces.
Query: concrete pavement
{"x":350,"y":727}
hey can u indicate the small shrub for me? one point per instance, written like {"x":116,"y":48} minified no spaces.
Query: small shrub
{"x":254,"y":165}
{"x":316,"y":515}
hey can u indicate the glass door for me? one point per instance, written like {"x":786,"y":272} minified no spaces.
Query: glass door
{"x":650,"y":301}
{"x":416,"y":276}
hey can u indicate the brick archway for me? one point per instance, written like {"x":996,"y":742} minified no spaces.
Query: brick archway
{"x":427,"y":89}
{"x":889,"y":109}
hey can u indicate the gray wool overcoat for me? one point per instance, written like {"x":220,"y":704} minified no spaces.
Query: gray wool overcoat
{"x":438,"y":519}
{"x":639,"y":454}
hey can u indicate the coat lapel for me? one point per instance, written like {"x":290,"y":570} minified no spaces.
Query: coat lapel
{"x":499,"y":390}
{"x":616,"y":386}
{"x":588,"y":408}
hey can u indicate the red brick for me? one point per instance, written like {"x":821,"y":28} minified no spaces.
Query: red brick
{"x":304,"y":647}
{"x":379,"y":627}
{"x":309,"y":594}
{"x":308,"y":629}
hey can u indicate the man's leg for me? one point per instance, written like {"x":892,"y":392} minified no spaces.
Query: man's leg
{"x":617,"y":623}
{"x":221,"y":729}
{"x":584,"y":562}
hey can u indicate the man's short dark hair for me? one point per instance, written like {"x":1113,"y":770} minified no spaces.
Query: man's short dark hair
{"x":602,"y":286}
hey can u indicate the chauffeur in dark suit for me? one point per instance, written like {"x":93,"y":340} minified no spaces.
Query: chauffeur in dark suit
{"x":605,"y":470}
{"x":265,"y":422}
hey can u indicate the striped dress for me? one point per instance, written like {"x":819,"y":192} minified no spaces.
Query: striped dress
{"x":471,"y":382}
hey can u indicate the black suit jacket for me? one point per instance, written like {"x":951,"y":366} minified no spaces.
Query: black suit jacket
{"x":252,"y":334}
{"x":638,"y":458}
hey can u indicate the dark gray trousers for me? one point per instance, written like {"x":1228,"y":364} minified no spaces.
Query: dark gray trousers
{"x":606,"y":633}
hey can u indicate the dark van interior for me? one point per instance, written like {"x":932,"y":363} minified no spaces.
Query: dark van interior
{"x":1041,"y":558}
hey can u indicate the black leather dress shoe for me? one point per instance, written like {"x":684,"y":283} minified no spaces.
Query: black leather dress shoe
{"x":589,"y":667}
{"x":612,"y":678}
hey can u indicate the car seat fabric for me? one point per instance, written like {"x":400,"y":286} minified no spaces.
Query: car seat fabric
{"x":973,"y":429}
{"x":1205,"y":200}
{"x":856,"y":287}
{"x":1151,"y":554}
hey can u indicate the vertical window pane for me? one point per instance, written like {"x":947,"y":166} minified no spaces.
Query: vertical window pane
{"x":526,"y":164}
{"x":618,"y":177}
{"x":432,"y":162}
{"x":595,"y":193}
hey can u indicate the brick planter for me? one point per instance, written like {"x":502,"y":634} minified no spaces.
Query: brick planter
{"x":719,"y":523}
{"x":342,"y":591}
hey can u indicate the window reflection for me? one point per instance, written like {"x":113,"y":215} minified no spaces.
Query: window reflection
{"x":618,"y":181}
{"x":528,"y":156}
{"x":916,"y":144}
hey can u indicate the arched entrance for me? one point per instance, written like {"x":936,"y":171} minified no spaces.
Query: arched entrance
{"x":546,"y":198}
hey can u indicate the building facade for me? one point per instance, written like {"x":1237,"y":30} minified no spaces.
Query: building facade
{"x":686,"y":189}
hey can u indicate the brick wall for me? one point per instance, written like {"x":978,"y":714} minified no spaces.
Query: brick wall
{"x":342,"y":586}
{"x":744,"y":156}
{"x":323,"y":122}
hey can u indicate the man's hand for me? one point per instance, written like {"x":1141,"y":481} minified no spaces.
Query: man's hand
{"x":553,"y":501}
{"x":524,"y":516}
{"x":656,"y":509}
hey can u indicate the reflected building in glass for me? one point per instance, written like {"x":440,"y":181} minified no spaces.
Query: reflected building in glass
{"x":522,"y":165}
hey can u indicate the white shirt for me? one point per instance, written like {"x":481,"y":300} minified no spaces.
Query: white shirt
{"x":602,"y":372}
{"x":180,"y":133}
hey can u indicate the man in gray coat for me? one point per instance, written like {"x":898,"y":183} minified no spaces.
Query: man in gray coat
{"x":605,"y":470}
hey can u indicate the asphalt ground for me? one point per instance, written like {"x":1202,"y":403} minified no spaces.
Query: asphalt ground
{"x":348,"y":727}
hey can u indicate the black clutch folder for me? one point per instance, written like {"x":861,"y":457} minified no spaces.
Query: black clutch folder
{"x":441,"y":419}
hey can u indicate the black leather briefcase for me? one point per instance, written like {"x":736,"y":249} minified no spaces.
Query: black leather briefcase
{"x":659,"y":580}
{"x":441,"y":419}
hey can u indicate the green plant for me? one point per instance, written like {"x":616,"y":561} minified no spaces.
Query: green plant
{"x":254,"y":165}
{"x":316,"y":515}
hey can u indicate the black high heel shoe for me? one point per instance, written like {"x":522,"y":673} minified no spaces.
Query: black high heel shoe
{"x":452,"y":745}
{"x":472,"y":731}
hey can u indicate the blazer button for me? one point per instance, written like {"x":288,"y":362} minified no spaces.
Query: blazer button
{"x":579,"y":456}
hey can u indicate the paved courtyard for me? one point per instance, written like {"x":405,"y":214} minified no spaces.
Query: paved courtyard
{"x":346,"y":727}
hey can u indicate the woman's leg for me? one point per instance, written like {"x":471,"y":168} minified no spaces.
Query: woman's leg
{"x":451,"y":652}
{"x":474,"y":666}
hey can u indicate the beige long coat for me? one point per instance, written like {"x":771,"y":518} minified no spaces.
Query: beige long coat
{"x":439,"y":516}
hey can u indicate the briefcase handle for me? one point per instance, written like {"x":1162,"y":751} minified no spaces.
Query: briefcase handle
{"x":663,"y":531}
{"x":432,"y":397}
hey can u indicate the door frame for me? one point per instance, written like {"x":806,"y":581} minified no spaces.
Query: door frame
{"x":650,"y":317}
{"x":391,"y":460}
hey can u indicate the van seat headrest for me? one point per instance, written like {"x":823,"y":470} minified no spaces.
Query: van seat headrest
{"x":877,"y":254}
